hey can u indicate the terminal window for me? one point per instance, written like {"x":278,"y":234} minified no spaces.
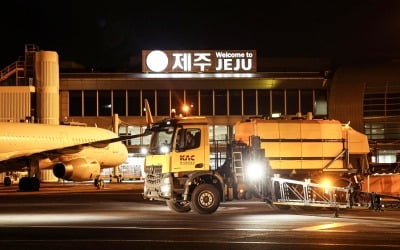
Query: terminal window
{"x":264,"y":102}
{"x":235,"y":102}
{"x":220,"y":102}
{"x":104,"y":103}
{"x":90,"y":102}
{"x":75,"y":103}
{"x":249,"y":99}
{"x":119,"y":102}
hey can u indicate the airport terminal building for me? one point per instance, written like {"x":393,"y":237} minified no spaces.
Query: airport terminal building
{"x":225,"y":86}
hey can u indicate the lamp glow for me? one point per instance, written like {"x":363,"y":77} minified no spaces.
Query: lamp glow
{"x":143,"y":151}
{"x":255,"y":171}
{"x":185,"y":108}
{"x":164,"y":149}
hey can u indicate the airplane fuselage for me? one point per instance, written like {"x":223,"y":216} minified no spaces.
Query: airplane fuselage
{"x":18,"y":140}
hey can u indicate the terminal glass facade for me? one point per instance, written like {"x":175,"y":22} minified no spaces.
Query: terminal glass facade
{"x":382,"y":111}
{"x":209,"y":102}
{"x":382,"y":120}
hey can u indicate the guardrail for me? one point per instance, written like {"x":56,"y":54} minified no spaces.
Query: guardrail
{"x":11,"y":69}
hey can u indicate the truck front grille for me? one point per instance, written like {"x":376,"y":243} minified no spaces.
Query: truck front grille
{"x":153,"y":169}
{"x":153,"y":176}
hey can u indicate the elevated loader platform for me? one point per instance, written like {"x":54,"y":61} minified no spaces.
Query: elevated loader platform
{"x":286,"y":192}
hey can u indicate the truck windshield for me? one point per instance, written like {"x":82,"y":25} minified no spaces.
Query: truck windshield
{"x":161,"y":140}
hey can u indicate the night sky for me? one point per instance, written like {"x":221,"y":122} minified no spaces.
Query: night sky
{"x":109,"y":35}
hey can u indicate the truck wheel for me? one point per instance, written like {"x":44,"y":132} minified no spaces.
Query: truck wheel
{"x":205,"y":199}
{"x":178,"y":206}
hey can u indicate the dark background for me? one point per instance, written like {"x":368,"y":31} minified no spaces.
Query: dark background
{"x":109,"y":35}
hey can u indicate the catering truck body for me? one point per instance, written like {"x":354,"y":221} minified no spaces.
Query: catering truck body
{"x":301,"y":149}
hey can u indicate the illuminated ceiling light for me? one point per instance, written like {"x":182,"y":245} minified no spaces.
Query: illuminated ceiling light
{"x":157,"y":61}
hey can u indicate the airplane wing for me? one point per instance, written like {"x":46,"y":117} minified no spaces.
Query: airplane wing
{"x":104,"y":143}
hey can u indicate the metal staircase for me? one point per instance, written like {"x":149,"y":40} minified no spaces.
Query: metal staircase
{"x":17,"y":69}
{"x":238,"y":166}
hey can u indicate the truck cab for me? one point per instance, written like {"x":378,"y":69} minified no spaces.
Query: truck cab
{"x":177,"y":166}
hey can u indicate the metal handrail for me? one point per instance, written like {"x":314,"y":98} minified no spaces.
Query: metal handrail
{"x":11,"y":69}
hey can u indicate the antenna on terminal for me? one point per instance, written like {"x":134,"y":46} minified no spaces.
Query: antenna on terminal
{"x":149,"y":117}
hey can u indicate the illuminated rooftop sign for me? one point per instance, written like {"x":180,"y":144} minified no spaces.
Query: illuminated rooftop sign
{"x":195,"y":61}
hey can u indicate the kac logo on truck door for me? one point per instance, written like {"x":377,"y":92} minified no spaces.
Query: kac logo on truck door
{"x":187,"y":159}
{"x":218,"y":61}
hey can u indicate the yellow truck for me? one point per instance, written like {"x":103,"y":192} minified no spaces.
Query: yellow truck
{"x":178,"y":169}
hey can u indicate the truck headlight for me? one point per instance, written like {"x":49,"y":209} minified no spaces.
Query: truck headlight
{"x":165,"y":189}
{"x":255,"y":171}
{"x":164,"y":149}
{"x":165,"y":186}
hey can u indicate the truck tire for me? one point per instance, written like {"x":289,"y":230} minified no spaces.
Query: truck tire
{"x":178,"y":206}
{"x":205,"y":199}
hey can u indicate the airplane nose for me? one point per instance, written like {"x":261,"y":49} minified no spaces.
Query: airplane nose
{"x":124,"y":151}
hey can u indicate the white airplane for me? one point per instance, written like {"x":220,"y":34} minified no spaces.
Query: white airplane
{"x":75,"y":153}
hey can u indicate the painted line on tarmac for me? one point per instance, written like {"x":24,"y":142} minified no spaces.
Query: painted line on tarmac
{"x":152,"y":228}
{"x":330,"y":227}
{"x":280,"y":243}
{"x":318,"y":228}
